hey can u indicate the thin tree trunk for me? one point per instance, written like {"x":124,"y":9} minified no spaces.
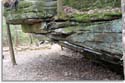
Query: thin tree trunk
{"x":12,"y":55}
{"x":16,"y":37}
{"x":60,"y":12}
{"x":123,"y":29}
{"x":30,"y":38}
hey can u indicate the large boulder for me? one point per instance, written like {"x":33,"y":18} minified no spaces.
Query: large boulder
{"x":34,"y":9}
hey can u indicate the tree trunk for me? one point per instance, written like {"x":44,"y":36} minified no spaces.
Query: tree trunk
{"x":16,"y":36}
{"x":30,"y":38}
{"x":123,"y":28}
{"x":60,"y":12}
{"x":12,"y":55}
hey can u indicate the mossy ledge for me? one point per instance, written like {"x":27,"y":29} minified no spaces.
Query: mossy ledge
{"x":95,"y":17}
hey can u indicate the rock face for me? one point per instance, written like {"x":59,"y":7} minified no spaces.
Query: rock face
{"x":82,"y":32}
{"x":32,"y":9}
{"x":45,"y":9}
{"x":103,"y":39}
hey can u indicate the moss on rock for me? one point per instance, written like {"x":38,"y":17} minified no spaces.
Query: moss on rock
{"x":96,"y":16}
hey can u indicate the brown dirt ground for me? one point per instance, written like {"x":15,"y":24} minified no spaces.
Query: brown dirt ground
{"x":50,"y":63}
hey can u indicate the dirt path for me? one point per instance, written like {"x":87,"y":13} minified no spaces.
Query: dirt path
{"x":53,"y":64}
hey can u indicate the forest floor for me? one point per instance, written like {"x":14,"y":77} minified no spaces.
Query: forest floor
{"x":50,"y":63}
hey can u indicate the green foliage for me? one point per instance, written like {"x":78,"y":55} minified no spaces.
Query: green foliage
{"x":23,"y":37}
{"x":92,"y":4}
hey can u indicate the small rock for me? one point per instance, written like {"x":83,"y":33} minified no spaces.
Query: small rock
{"x":45,"y":78}
{"x":66,"y":74}
{"x":106,"y":79}
{"x":90,"y":11}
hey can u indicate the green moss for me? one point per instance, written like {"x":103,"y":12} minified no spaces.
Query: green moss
{"x":96,"y":16}
{"x":79,"y":17}
{"x":24,"y":4}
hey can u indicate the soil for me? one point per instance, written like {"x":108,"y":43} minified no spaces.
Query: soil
{"x":51,"y":63}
